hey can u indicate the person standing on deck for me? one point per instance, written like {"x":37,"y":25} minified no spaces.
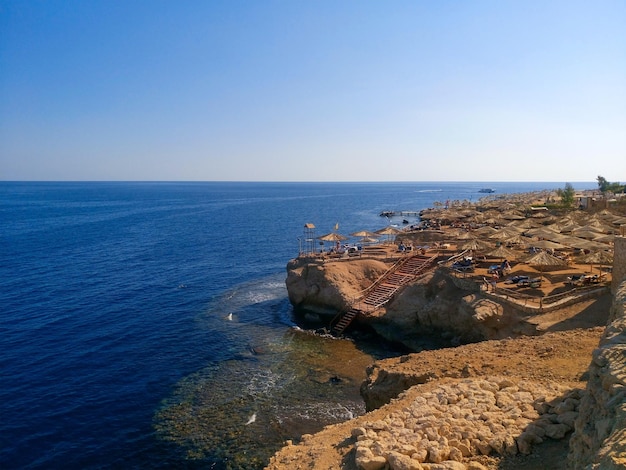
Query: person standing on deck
{"x":494,"y":281}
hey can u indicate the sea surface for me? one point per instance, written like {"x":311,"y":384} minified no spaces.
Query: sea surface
{"x":147,"y":325}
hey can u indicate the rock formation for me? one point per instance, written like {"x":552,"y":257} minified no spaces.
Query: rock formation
{"x":499,"y":398}
{"x":434,"y":305}
{"x":458,"y":419}
{"x":599,"y":441}
{"x":327,"y":288}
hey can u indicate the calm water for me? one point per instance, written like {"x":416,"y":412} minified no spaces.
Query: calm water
{"x":117,"y":349}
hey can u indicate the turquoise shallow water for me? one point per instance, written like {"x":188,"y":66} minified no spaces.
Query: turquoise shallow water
{"x":116,"y":347}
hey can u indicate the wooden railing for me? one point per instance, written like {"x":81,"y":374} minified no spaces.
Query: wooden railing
{"x":535,"y":303}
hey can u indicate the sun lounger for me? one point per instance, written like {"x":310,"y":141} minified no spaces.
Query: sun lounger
{"x":534,"y":283}
{"x":516,"y":279}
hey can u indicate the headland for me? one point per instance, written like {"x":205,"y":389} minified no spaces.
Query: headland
{"x":514,"y":387}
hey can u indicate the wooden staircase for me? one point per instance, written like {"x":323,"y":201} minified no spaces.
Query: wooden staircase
{"x":384,"y":289}
{"x":344,"y":321}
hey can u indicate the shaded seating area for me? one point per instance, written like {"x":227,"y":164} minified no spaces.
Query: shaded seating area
{"x":584,"y":279}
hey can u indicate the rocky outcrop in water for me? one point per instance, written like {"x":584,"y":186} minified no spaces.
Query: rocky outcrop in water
{"x":433,"y":305}
{"x":327,"y":288}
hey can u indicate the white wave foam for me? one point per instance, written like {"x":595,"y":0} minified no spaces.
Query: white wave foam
{"x":324,"y":411}
{"x":262,"y":383}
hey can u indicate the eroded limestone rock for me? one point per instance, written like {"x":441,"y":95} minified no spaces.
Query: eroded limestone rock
{"x":460,"y":418}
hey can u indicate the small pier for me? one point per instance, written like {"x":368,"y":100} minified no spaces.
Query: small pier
{"x":400,"y":213}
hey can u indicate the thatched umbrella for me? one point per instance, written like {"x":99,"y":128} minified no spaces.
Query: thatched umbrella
{"x":332,"y":237}
{"x":517,"y":240}
{"x":500,"y":235}
{"x":560,"y":238}
{"x":605,"y":239}
{"x":567,"y":228}
{"x":476,"y":245}
{"x":513,"y":216}
{"x":582,"y":244}
{"x":546,"y":245}
{"x":493,"y":221}
{"x":587,"y":234}
{"x":599,"y":226}
{"x":366,"y":237}
{"x":466,"y":236}
{"x":524,"y":224}
{"x":505,"y":234}
{"x":502,"y":252}
{"x":605,"y":214}
{"x":597,"y":257}
{"x":541,"y":232}
{"x":389,"y":231}
{"x":364,"y":233}
{"x":543,"y":259}
{"x":486,"y":230}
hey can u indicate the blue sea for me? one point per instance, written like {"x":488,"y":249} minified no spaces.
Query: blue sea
{"x":147,"y":325}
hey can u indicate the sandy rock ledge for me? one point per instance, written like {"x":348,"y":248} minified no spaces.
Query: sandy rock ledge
{"x":458,"y":419}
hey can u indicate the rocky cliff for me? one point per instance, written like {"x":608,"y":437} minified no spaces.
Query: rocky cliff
{"x":326,"y":288}
{"x":499,"y":404}
{"x":434,"y":306}
{"x":599,"y":440}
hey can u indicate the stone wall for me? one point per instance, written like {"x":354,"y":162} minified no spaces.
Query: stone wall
{"x":599,"y":440}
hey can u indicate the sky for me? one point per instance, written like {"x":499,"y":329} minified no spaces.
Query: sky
{"x":420,"y":90}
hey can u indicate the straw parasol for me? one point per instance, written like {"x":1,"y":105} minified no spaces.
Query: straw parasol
{"x":597,"y":257}
{"x":587,"y":234}
{"x":605,"y":239}
{"x":364,"y":233}
{"x":505,"y":233}
{"x":517,"y":240}
{"x":513,"y":216}
{"x":544,"y":260}
{"x":567,"y":228}
{"x":332,"y":237}
{"x":389,"y":231}
{"x":502,"y":252}
{"x":466,"y":236}
{"x":486,"y":230}
{"x":524,"y":224}
{"x":476,"y":245}
{"x":541,"y":232}
{"x":582,"y":244}
{"x":546,"y":245}
{"x":501,"y":235}
{"x":493,"y":221}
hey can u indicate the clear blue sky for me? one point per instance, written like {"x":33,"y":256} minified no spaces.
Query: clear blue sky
{"x":414,"y":90}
